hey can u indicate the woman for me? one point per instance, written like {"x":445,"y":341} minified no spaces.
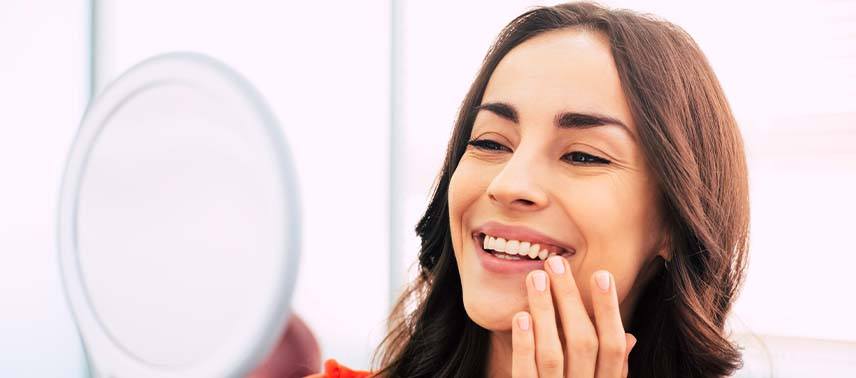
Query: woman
{"x":593,"y":202}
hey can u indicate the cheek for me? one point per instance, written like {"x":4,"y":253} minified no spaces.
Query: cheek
{"x":459,"y":199}
{"x":486,"y":300}
{"x":464,"y":191}
{"x":618,"y":221}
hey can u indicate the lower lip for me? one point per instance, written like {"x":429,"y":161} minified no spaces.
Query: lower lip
{"x":495,"y":264}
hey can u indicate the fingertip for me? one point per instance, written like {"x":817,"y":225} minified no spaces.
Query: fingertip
{"x":539,"y":279}
{"x":556,"y":264}
{"x":523,"y":320}
{"x":602,"y":280}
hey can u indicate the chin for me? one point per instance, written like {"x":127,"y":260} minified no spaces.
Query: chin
{"x":493,"y":314}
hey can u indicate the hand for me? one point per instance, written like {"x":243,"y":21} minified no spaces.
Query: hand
{"x":591,"y":350}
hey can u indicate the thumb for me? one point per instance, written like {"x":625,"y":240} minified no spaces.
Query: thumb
{"x":631,"y":342}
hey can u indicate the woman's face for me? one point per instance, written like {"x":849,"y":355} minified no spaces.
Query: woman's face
{"x":557,"y":160}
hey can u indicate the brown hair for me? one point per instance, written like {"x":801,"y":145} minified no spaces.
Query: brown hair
{"x":695,"y":151}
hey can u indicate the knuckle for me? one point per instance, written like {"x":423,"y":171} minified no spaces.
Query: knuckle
{"x":612,"y":350}
{"x":523,"y":347}
{"x":540,"y":304}
{"x":586,"y":347}
{"x":552,"y":361}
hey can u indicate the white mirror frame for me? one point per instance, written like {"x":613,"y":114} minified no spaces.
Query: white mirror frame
{"x":242,"y":353}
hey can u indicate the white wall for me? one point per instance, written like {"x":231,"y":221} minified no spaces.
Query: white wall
{"x":43,"y":88}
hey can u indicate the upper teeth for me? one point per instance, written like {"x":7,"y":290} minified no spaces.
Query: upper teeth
{"x":517,"y":247}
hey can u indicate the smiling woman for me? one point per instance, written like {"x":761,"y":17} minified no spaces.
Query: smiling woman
{"x":593,"y":202}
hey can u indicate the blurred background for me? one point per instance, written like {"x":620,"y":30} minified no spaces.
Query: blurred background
{"x":367,"y":94}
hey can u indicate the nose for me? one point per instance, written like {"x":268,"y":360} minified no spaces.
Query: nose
{"x":516,"y":186}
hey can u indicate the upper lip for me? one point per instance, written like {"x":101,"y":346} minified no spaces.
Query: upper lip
{"x":521,"y":233}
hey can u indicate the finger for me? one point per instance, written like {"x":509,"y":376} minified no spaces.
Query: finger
{"x":548,"y":349}
{"x":522,"y":347}
{"x":578,"y":330}
{"x":610,"y":332}
{"x":631,"y":342}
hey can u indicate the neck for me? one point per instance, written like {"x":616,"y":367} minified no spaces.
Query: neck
{"x":499,"y":356}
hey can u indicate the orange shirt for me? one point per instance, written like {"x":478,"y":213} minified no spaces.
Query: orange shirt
{"x":332,"y":369}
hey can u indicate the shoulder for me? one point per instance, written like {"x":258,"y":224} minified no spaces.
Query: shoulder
{"x":332,"y":369}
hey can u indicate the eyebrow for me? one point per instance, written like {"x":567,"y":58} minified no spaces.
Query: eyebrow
{"x":563,"y":120}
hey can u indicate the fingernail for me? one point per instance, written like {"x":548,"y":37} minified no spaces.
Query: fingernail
{"x":556,"y":264}
{"x":602,"y":279}
{"x":539,"y":279}
{"x":523,"y":322}
{"x":632,"y":343}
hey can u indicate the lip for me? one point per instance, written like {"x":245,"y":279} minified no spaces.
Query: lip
{"x":523,"y":233}
{"x":501,"y":266}
{"x":495,"y":264}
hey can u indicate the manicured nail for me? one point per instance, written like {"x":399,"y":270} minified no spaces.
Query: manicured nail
{"x":602,"y":279}
{"x":556,"y":264}
{"x":523,"y":322}
{"x":539,"y":279}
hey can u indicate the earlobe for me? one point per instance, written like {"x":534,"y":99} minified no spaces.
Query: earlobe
{"x":664,"y":247}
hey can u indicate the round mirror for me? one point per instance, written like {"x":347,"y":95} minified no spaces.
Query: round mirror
{"x":179,"y":224}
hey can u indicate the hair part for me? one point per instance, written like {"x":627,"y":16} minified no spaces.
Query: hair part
{"x":691,"y":142}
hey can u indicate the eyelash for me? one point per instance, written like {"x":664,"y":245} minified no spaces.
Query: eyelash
{"x":486,"y":144}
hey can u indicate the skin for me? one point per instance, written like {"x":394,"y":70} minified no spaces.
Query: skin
{"x":535,"y":174}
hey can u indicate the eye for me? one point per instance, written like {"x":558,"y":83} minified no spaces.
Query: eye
{"x":577,"y":157}
{"x":487,"y":144}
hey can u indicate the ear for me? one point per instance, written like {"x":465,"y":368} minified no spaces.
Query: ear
{"x":664,"y":245}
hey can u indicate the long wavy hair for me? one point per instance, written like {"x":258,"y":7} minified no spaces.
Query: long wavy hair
{"x":692,"y":144}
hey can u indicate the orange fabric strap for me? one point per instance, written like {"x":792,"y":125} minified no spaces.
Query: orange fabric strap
{"x":333,"y":369}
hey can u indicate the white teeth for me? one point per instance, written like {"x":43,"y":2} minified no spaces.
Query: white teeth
{"x":533,"y":253}
{"x":499,"y":245}
{"x":490,"y":243}
{"x":506,"y":257}
{"x":534,"y":249}
{"x":512,"y":246}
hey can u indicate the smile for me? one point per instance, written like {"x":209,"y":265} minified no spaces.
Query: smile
{"x":506,"y":263}
{"x":517,"y":250}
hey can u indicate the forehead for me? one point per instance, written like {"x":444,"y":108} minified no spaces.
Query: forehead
{"x":562,"y":70}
